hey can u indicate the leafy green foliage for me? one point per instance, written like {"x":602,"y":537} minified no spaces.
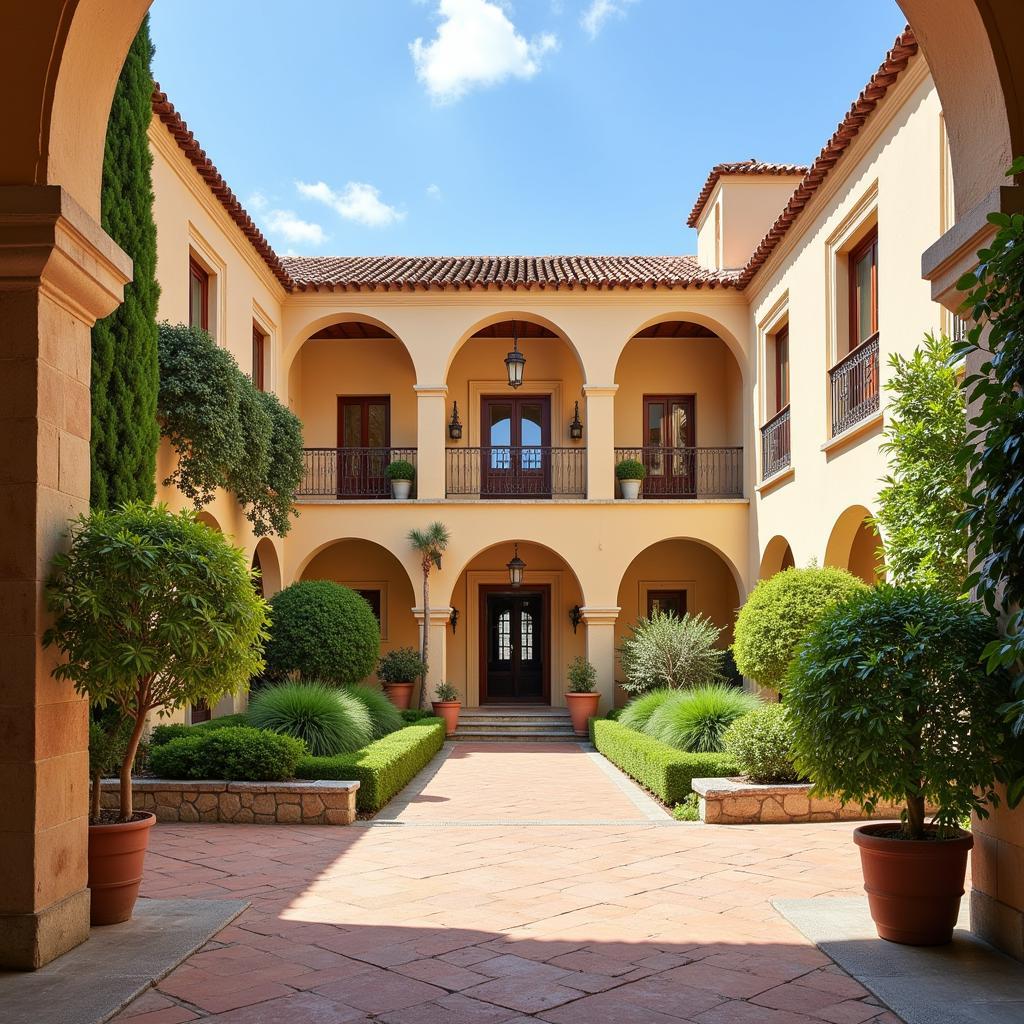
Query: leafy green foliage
{"x":445,"y":693}
{"x":238,"y":754}
{"x":921,"y":503}
{"x":582,"y":676}
{"x":152,"y":611}
{"x":668,"y":773}
{"x":161,"y":734}
{"x":668,"y":651}
{"x":384,"y":716}
{"x":697,"y":719}
{"x":779,"y":613}
{"x":413,"y":715}
{"x":630,"y":469}
{"x":125,"y":375}
{"x":688,"y":810}
{"x":890,"y":702}
{"x":761,"y":743}
{"x":323,"y":631}
{"x":638,"y":711}
{"x":183,"y":757}
{"x":328,"y":720}
{"x":400,"y":469}
{"x":430,"y":544}
{"x":402,"y":665}
{"x":225,"y":433}
{"x":383,"y":767}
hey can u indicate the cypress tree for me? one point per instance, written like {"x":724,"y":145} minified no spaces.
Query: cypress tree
{"x":125,"y":376}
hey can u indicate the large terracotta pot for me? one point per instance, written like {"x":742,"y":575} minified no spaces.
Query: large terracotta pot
{"x":913,"y":885}
{"x":582,"y":707}
{"x":449,"y":711}
{"x":116,"y":853}
{"x":399,"y":693}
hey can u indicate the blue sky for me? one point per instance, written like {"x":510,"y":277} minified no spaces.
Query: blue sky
{"x":356,"y":127}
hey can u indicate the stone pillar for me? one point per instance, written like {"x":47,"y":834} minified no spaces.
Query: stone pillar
{"x":430,"y":439}
{"x":601,"y":650}
{"x":58,"y":273}
{"x":600,"y":435}
{"x":437,"y":655}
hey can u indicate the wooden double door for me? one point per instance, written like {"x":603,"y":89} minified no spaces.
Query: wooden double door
{"x":516,"y":452}
{"x":364,"y":443}
{"x":515,"y":645}
{"x":670,"y":457}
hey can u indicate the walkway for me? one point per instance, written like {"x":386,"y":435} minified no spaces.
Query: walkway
{"x":409,"y":922}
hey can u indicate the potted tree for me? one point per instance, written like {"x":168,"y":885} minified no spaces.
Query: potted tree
{"x":398,"y":671}
{"x":401,"y":473}
{"x":581,"y":696}
{"x":447,"y":706}
{"x":630,"y":473}
{"x":152,"y":611}
{"x":889,"y":700}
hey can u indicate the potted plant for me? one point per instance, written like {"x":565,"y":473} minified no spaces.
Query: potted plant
{"x":581,"y":696}
{"x":889,"y":700}
{"x":152,"y":611}
{"x":630,"y":473}
{"x":401,"y":474}
{"x":447,"y":706}
{"x":398,"y":671}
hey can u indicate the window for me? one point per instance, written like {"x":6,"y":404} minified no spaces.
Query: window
{"x":782,"y":369}
{"x":863,"y":273}
{"x":198,"y":296}
{"x":259,"y":356}
{"x":372,"y":598}
{"x":668,"y":602}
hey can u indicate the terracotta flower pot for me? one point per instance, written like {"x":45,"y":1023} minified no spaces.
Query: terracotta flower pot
{"x":913,"y":885}
{"x":582,"y":706}
{"x":116,"y":854}
{"x":449,"y":711}
{"x":400,"y":694}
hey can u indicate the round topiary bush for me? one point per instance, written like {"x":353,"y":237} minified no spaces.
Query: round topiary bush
{"x":761,"y":743}
{"x":638,"y":711}
{"x":328,"y":720}
{"x":696,"y":720}
{"x":778,"y":615}
{"x":384,"y":716}
{"x":238,"y":753}
{"x":323,"y":631}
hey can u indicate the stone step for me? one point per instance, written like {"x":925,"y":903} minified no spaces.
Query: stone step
{"x":541,"y":732}
{"x":513,"y":720}
{"x":527,"y":737}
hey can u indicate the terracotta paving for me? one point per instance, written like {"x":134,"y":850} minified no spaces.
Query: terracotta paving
{"x":501,"y":924}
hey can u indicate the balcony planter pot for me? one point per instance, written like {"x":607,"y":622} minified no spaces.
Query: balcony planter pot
{"x":913,"y":885}
{"x":400,"y":694}
{"x":630,"y":489}
{"x":400,"y":489}
{"x":449,"y":711}
{"x":116,"y":855}
{"x":582,"y":707}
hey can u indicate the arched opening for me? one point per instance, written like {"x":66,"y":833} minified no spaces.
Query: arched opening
{"x":679,"y":576}
{"x":515,"y":442}
{"x":513,"y":644}
{"x":854,"y":544}
{"x":351,"y":383}
{"x":679,"y":411}
{"x":208,"y":519}
{"x":778,"y":555}
{"x":265,"y":560}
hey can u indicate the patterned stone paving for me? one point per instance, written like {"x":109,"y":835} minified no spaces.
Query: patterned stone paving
{"x":501,"y":924}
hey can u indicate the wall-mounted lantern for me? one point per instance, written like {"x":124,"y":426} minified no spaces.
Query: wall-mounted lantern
{"x":575,"y":616}
{"x":455,"y":424}
{"x":453,"y":619}
{"x":515,"y":360}
{"x":515,"y":569}
{"x":576,"y":426}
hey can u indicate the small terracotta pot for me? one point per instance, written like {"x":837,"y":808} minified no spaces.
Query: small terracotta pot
{"x":913,"y":885}
{"x":449,"y":711}
{"x":116,"y":854}
{"x":400,"y":694}
{"x":582,"y":707}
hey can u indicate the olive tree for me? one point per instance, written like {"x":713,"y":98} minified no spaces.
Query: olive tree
{"x":667,"y":651}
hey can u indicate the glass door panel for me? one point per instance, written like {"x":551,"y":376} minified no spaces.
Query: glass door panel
{"x":516,"y":456}
{"x":669,"y":453}
{"x":364,"y":438}
{"x":514,"y":645}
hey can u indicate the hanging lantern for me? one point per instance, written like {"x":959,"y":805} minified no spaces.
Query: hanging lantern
{"x":455,"y":424}
{"x":576,"y":426}
{"x":515,"y":569}
{"x":515,"y":360}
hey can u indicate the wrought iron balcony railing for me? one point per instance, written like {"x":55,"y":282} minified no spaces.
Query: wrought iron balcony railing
{"x":688,"y":472}
{"x":350,"y":472}
{"x":854,"y":382}
{"x":516,"y":472}
{"x":775,"y":452}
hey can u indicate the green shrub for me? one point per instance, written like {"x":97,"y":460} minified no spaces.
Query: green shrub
{"x":183,"y":757}
{"x":413,"y":715}
{"x":161,"y":734}
{"x":668,"y":651}
{"x":779,"y":613}
{"x":403,"y":665}
{"x":445,"y":693}
{"x":630,"y":469}
{"x":223,"y":722}
{"x":383,"y":767}
{"x":613,"y":714}
{"x":239,"y":754}
{"x":668,"y":773}
{"x":761,"y":743}
{"x":323,"y":631}
{"x":400,"y":469}
{"x":688,"y":810}
{"x":696,"y":720}
{"x":328,"y":720}
{"x":636,"y":713}
{"x":582,"y":676}
{"x":384,"y":716}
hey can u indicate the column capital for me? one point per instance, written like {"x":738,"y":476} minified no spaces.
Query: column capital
{"x":438,"y":616}
{"x":600,"y":616}
{"x":430,"y":390}
{"x":600,"y":390}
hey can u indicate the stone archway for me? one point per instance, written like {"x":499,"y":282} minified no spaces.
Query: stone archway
{"x":854,"y":544}
{"x":778,"y":555}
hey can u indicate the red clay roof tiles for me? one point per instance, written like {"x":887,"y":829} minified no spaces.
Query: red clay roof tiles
{"x":750,"y":166}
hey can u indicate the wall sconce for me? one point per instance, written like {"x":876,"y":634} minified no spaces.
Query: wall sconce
{"x":515,"y":360}
{"x":455,"y":424}
{"x":453,"y":619}
{"x":576,"y":426}
{"x":575,"y":616}
{"x":515,"y":569}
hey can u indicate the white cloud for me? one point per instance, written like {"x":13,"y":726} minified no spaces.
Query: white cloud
{"x":434,"y":191}
{"x":599,"y":11}
{"x":476,"y":45}
{"x":286,"y":224}
{"x":357,"y":201}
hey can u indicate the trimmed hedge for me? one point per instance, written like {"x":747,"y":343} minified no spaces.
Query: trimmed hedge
{"x":668,"y":773}
{"x":162,"y":734}
{"x":237,"y":753}
{"x":383,"y":767}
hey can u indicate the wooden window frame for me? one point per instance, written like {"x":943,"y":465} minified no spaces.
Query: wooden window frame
{"x":259,"y":357}
{"x":863,"y":247}
{"x":656,"y":592}
{"x":197,"y":272}
{"x":781,"y":338}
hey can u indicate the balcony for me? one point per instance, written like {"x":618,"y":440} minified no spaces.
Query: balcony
{"x":516,"y":472}
{"x":775,"y":450}
{"x":350,"y":473}
{"x":692,"y":473}
{"x":854,"y":386}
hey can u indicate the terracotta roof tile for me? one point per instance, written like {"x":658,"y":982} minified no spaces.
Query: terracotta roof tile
{"x":750,"y":166}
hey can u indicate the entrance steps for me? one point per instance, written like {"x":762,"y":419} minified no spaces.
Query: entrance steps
{"x":515,"y":724}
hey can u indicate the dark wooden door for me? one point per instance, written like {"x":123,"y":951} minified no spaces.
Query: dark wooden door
{"x":364,"y":439}
{"x":669,"y":454}
{"x":514,"y":645}
{"x":516,"y":446}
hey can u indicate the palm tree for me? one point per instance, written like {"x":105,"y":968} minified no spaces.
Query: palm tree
{"x":431,"y":544}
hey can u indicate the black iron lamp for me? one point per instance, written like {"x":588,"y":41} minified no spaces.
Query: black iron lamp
{"x":576,"y":426}
{"x":453,"y":619}
{"x":575,"y":616}
{"x":515,"y":569}
{"x":515,"y":360}
{"x":455,"y":424}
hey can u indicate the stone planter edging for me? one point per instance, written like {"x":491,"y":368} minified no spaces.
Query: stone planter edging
{"x":739,"y":802}
{"x":324,"y":802}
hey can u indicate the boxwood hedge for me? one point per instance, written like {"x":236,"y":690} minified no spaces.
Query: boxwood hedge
{"x":668,"y":773}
